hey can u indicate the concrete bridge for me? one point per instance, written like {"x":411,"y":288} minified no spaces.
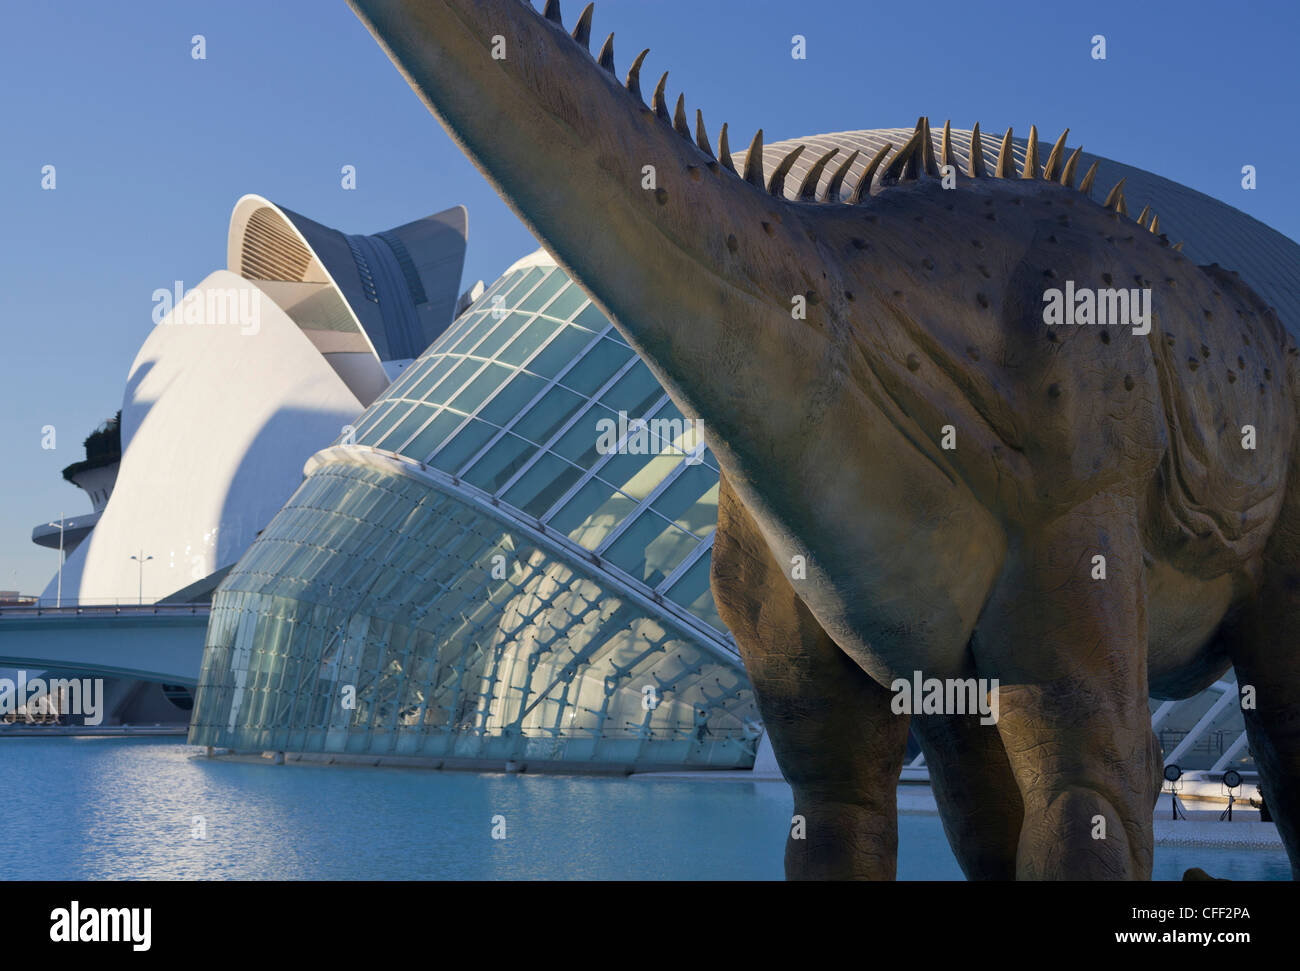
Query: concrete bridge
{"x":153,"y":642}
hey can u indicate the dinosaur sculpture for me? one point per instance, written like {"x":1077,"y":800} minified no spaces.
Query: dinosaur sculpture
{"x":1071,"y":446}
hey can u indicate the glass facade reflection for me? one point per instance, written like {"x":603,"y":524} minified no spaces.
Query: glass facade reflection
{"x":507,"y":558}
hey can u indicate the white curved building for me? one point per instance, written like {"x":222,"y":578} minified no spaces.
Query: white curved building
{"x":244,"y":378}
{"x":369,"y":304}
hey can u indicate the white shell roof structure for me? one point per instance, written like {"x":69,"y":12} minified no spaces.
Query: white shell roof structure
{"x":217,"y":418}
{"x":363,"y":300}
{"x":1212,"y":231}
{"x":255,"y":369}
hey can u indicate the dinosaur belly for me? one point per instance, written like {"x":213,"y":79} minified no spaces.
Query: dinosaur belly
{"x":1183,"y":615}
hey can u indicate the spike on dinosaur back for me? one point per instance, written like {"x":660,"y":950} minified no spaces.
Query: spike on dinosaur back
{"x":863,"y":188}
{"x":634,"y":74}
{"x":660,"y":104}
{"x":606,"y":58}
{"x":1006,"y":167}
{"x":808,"y":188}
{"x":1030,"y":169}
{"x":903,"y":165}
{"x":552,"y":12}
{"x":1155,"y":223}
{"x":925,"y":157}
{"x":680,"y":124}
{"x":724,"y":150}
{"x":946,"y":156}
{"x":702,"y":134}
{"x":1088,"y":178}
{"x":1142,"y":216}
{"x":1115,"y":198}
{"x":1067,"y":174}
{"x":776,"y":184}
{"x":754,"y":162}
{"x":582,"y":32}
{"x":837,"y":179}
{"x":1052,"y":167}
{"x":975,"y":165}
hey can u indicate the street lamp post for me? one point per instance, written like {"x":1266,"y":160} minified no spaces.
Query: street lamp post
{"x":141,"y":559}
{"x":59,"y":601}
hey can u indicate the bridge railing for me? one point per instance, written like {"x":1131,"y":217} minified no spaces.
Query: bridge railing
{"x":102,"y":609}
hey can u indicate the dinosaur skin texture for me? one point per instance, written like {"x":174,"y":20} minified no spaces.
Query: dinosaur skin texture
{"x":924,"y":310}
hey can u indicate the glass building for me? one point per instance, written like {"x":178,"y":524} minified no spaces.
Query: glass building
{"x":505,"y":560}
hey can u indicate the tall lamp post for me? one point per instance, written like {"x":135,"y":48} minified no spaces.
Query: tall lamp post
{"x":141,"y":559}
{"x":59,"y":601}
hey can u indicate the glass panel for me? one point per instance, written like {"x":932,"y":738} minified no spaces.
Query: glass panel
{"x":382,"y":428}
{"x":548,"y":415}
{"x":474,"y":334}
{"x":541,"y":486}
{"x":634,"y":392}
{"x":452,"y":382}
{"x":461,"y":448}
{"x":485,"y":301}
{"x":651,"y":548}
{"x":499,"y":463}
{"x":579,"y":443}
{"x":433,"y":435}
{"x":533,"y":337}
{"x":671,"y":430}
{"x":502,"y":287}
{"x":404,"y":380}
{"x":691,"y":501}
{"x":451,"y":335}
{"x":407,"y":427}
{"x":523,"y":286}
{"x":597,"y":366}
{"x":592,"y":514}
{"x":592,"y":319}
{"x":692,"y":591}
{"x":544,"y":292}
{"x":569,"y":300}
{"x":370,"y":419}
{"x":563,"y":348}
{"x":477,"y":391}
{"x":637,"y":475}
{"x":506,"y":329}
{"x":430,"y":377}
{"x":511,"y":399}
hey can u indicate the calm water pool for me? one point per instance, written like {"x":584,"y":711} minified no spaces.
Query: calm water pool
{"x":106,"y":808}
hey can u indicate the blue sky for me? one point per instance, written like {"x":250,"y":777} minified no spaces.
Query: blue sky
{"x":152,"y":147}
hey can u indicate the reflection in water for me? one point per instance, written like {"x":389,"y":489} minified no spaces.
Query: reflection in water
{"x":125,"y":808}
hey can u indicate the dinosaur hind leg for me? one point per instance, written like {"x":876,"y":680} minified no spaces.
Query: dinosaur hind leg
{"x":1070,"y":653}
{"x":1263,"y":650}
{"x":975,"y":791}
{"x":836,"y":740}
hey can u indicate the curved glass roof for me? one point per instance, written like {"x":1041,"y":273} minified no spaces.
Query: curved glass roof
{"x":461,"y":638}
{"x":533,"y":400}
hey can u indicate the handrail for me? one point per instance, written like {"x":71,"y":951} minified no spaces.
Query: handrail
{"x":104,"y":609}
